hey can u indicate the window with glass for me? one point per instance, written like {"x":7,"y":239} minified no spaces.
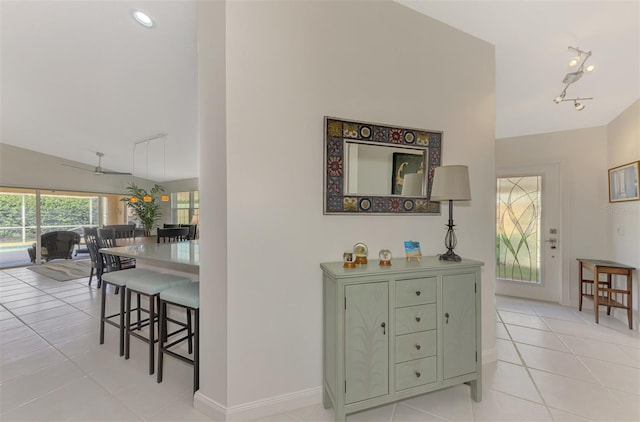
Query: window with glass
{"x":185,"y":207}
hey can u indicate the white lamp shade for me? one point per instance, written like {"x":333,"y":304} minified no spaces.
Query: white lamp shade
{"x":451,"y":183}
{"x":412,"y":184}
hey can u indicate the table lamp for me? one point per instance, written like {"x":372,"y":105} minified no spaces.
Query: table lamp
{"x":451,"y":183}
{"x":412,"y":184}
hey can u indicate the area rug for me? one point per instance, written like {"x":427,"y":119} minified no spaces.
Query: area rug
{"x":69,"y":269}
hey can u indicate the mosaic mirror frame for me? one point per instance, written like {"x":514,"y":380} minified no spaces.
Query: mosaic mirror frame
{"x":338,"y":131}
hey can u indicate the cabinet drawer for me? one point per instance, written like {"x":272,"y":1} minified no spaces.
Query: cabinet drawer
{"x":415,"y":373}
{"x":415,"y":346}
{"x":415,"y":291}
{"x":415,"y":318}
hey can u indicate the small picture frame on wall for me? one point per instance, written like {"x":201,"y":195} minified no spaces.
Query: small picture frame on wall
{"x":623,"y":182}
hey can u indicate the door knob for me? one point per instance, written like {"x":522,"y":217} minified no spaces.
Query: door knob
{"x":447,"y":317}
{"x":384,"y":329}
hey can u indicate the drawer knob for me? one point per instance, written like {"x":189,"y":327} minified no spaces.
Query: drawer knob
{"x":418,"y":347}
{"x":417,"y":319}
{"x":418,"y":293}
{"x":418,"y":374}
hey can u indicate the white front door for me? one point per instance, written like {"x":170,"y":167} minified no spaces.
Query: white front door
{"x":528,"y":233}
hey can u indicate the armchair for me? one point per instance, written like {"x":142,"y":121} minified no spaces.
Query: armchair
{"x":55,"y":245}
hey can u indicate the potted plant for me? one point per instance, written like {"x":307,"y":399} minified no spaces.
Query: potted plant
{"x":144,"y":205}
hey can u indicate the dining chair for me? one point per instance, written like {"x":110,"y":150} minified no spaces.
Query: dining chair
{"x":107,"y":238}
{"x":122,"y":231}
{"x":192,"y":230}
{"x":175,"y":234}
{"x":97,"y":263}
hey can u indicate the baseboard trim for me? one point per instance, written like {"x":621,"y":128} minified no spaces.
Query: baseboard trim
{"x":209,"y":407}
{"x":259,"y":408}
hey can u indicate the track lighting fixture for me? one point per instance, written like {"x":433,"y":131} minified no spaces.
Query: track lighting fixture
{"x":576,"y":102}
{"x":580,"y":59}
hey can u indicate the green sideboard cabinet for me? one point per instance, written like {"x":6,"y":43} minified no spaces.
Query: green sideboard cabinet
{"x":393,"y":332}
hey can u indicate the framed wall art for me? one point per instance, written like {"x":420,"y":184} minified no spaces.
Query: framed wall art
{"x":366,"y":166}
{"x":623,"y":182}
{"x":404,"y":164}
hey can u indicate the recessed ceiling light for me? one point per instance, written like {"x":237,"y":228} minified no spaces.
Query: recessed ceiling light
{"x":142,"y":18}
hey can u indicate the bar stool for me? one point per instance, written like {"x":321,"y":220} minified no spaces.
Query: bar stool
{"x":119,"y":280}
{"x":188,"y":297}
{"x":149,"y":285}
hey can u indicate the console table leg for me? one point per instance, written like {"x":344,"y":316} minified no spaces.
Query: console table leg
{"x":629,"y":299}
{"x":581,"y":283}
{"x":596,"y":293}
{"x":609,"y":294}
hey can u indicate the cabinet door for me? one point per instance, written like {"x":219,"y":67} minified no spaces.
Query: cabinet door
{"x":366,"y":341}
{"x":459,"y":324}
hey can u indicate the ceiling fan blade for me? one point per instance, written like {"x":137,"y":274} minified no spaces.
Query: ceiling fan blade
{"x":79,"y":168}
{"x":115,"y":172}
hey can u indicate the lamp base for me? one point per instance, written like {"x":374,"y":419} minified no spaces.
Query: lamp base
{"x":450,"y":256}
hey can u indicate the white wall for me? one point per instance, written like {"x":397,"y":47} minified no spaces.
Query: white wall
{"x":623,"y":146}
{"x":212,"y":397}
{"x":288,"y":64}
{"x":583,"y":187}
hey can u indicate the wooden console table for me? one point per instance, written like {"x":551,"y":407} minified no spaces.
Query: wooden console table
{"x":602,"y":293}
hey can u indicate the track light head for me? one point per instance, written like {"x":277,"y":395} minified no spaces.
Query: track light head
{"x":574,"y":61}
{"x":576,"y":102}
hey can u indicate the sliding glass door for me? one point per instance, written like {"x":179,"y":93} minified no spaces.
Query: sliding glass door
{"x":27,"y":213}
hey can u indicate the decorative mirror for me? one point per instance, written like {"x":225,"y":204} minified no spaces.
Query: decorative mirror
{"x":379,"y":169}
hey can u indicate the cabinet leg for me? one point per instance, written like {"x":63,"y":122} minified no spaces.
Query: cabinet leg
{"x":326,"y":400}
{"x":476,"y":391}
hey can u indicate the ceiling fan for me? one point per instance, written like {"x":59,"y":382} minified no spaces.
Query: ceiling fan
{"x":98,"y":170}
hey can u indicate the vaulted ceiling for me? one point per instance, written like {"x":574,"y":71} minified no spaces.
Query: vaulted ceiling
{"x":80,"y":77}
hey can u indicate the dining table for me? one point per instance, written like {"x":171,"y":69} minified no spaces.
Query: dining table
{"x":175,"y":257}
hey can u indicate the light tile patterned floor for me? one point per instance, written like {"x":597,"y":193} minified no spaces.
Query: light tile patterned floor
{"x":554,"y":364}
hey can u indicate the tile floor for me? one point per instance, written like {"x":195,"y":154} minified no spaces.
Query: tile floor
{"x":554,"y":364}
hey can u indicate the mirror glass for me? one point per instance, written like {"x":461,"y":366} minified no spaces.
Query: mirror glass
{"x":373,"y":168}
{"x":383,"y":170}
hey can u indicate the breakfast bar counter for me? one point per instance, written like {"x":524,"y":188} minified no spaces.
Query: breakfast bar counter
{"x":176,"y":256}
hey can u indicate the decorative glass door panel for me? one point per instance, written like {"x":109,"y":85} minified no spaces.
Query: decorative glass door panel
{"x":518,"y":230}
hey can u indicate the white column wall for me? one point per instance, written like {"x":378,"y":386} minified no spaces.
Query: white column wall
{"x":288,"y":65}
